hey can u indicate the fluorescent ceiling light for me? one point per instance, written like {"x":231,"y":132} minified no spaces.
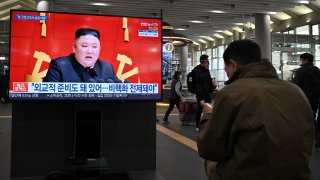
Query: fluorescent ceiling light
{"x":237,"y":29}
{"x":239,"y":24}
{"x":301,"y":10}
{"x":197,"y":21}
{"x":207,"y":37}
{"x":250,"y":25}
{"x":8,"y":10}
{"x":218,"y":36}
{"x":2,"y":58}
{"x":195,"y":43}
{"x":228,"y":33}
{"x":217,"y":11}
{"x":180,"y":29}
{"x":281,"y":16}
{"x":5,"y":18}
{"x":219,"y":31}
{"x":304,"y":2}
{"x":271,"y":12}
{"x":100,"y":4}
{"x":202,"y":41}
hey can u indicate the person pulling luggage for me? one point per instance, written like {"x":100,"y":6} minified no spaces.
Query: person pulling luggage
{"x":176,"y":95}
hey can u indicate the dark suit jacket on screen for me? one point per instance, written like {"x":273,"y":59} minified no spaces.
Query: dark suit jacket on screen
{"x":67,"y":69}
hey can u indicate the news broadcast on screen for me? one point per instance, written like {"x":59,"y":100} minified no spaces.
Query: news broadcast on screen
{"x":62,"y":56}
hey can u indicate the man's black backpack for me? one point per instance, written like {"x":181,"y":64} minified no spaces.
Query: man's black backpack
{"x":191,"y":82}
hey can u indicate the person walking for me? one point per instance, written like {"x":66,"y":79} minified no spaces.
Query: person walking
{"x":307,"y":77}
{"x":176,"y":95}
{"x":203,"y":85}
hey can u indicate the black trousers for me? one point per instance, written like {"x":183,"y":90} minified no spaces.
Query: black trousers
{"x":315,"y":108}
{"x":200,"y":108}
{"x":171,"y":106}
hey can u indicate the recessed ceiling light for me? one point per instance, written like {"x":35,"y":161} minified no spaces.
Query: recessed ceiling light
{"x":197,"y":21}
{"x":217,"y":11}
{"x":195,"y":43}
{"x":228,"y":33}
{"x":100,"y":4}
{"x":218,"y":36}
{"x":209,"y":38}
{"x":202,"y":41}
{"x":304,"y":2}
{"x":180,"y":29}
{"x":272,"y":12}
{"x":238,"y":29}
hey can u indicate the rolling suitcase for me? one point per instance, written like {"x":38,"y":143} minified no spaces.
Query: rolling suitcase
{"x":187,"y":111}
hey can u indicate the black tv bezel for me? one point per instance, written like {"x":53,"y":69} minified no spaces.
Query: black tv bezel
{"x":10,"y":99}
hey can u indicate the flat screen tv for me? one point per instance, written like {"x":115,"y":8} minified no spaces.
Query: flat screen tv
{"x":63,"y":56}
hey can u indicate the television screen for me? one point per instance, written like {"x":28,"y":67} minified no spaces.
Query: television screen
{"x":66,"y":56}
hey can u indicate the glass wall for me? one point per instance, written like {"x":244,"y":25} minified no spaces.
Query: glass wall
{"x":303,"y":30}
{"x":287,"y":48}
{"x":197,"y":60}
{"x":315,"y":29}
{"x":317,"y":55}
{"x":214,"y":63}
{"x":216,"y":66}
{"x":222,"y":76}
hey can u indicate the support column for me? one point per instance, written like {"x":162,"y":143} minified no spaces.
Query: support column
{"x":183,"y":62}
{"x":236,"y":35}
{"x":45,"y":5}
{"x":263,"y":35}
{"x":312,"y":45}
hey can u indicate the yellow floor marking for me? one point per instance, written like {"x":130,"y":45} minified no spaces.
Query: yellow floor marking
{"x":162,"y":105}
{"x":178,"y":137}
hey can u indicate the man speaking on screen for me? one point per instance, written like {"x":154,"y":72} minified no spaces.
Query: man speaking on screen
{"x":83,"y":65}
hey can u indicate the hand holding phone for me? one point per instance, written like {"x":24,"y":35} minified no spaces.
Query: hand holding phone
{"x":207,"y":107}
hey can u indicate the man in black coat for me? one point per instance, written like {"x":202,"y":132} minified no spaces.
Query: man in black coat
{"x":307,"y":78}
{"x":203,"y":85}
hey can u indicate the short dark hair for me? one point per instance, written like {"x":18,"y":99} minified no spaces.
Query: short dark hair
{"x":307,"y":56}
{"x":242,"y":51}
{"x":203,"y":57}
{"x":176,"y":74}
{"x":86,"y":31}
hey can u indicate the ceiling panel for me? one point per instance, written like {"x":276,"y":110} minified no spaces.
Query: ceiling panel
{"x":300,"y":10}
{"x":178,"y":13}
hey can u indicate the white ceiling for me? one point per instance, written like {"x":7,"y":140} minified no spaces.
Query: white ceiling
{"x":178,"y":13}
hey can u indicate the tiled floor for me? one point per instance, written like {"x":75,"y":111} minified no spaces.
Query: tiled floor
{"x":175,"y":161}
